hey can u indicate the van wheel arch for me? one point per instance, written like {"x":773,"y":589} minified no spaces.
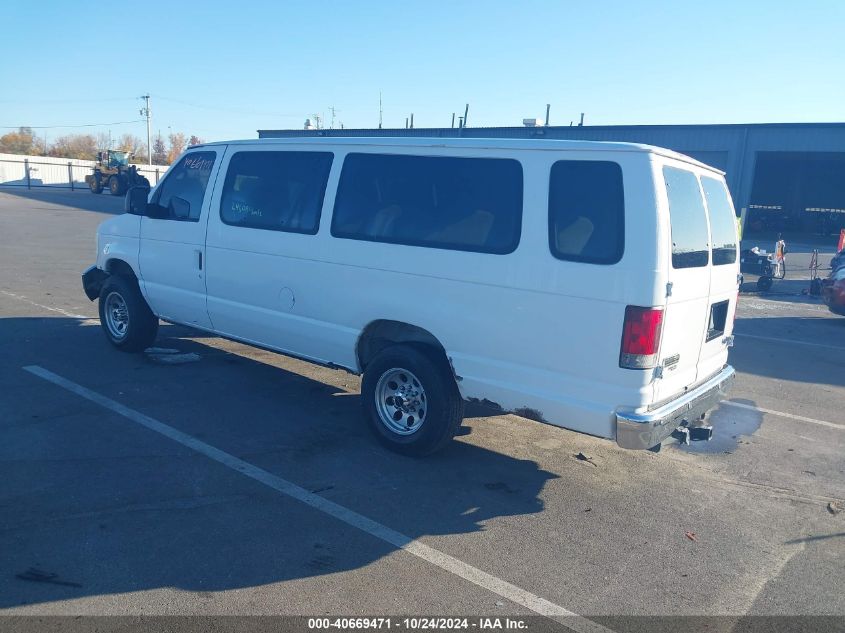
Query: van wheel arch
{"x":383,"y":333}
{"x":120,"y":268}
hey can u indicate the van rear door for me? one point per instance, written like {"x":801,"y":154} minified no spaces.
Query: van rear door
{"x":724,"y":273}
{"x":688,"y":290}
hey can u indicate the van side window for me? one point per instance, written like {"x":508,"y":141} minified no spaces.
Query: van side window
{"x":586,"y":211}
{"x":276,"y":191}
{"x":181,"y":194}
{"x":722,"y":221}
{"x":466,"y":204}
{"x":690,"y":247}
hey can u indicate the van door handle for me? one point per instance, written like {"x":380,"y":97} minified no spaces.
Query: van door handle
{"x":199,"y":259}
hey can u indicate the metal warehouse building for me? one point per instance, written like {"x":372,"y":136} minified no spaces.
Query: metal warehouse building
{"x":790,"y":176}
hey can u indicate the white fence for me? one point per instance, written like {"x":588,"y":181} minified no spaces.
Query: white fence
{"x":57,"y":173}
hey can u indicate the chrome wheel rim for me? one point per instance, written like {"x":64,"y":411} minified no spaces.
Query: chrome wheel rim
{"x":401,"y":401}
{"x":117,"y":315}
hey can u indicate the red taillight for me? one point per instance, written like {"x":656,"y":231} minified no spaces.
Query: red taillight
{"x":640,"y":337}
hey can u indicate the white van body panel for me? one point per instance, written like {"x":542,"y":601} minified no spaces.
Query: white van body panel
{"x":171,"y":260}
{"x":526,"y":332}
{"x":117,"y":240}
{"x":689,"y":297}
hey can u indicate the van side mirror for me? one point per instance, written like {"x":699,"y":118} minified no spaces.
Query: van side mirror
{"x":136,"y":200}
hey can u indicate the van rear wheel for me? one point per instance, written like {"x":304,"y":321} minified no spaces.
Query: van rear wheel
{"x":127,"y":320}
{"x":411,"y":401}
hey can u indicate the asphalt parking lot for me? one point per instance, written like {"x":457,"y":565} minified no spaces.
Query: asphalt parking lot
{"x":238,"y":482}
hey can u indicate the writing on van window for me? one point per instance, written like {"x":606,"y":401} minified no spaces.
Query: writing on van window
{"x":276,"y":190}
{"x":687,"y":219}
{"x":469,"y":204}
{"x":198,"y":162}
{"x":722,"y":221}
{"x":180,"y":195}
{"x":586,"y":211}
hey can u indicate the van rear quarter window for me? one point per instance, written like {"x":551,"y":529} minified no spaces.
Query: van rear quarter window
{"x":688,"y":219}
{"x":722,"y":221}
{"x":276,"y":191}
{"x":586,"y":211}
{"x":466,"y":204}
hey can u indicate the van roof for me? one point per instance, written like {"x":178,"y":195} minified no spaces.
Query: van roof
{"x":473,"y":143}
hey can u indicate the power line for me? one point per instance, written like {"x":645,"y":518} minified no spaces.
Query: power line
{"x":230,"y":110}
{"x":50,"y":127}
{"x":34,"y":101}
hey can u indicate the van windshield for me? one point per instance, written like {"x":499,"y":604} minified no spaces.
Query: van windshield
{"x":722,"y":221}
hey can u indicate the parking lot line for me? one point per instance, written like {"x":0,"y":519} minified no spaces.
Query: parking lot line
{"x":801,"y":418}
{"x":43,"y":307}
{"x":350,"y":517}
{"x":775,"y":339}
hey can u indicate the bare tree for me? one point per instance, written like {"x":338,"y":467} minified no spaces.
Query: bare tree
{"x":75,"y":146}
{"x":195,"y":140}
{"x":104,"y":141}
{"x":23,"y":141}
{"x":159,"y":151}
{"x":134,"y":145}
{"x":177,"y":146}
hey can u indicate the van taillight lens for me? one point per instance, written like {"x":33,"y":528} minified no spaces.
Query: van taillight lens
{"x":640,"y":337}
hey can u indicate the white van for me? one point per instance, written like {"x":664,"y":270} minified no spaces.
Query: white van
{"x":587,"y":285}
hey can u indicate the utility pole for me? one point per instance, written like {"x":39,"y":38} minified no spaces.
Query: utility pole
{"x":380,"y":111}
{"x":331,"y":125}
{"x":145,"y":111}
{"x":466,"y":114}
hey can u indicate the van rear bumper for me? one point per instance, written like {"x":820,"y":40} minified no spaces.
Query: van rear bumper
{"x":645,"y":430}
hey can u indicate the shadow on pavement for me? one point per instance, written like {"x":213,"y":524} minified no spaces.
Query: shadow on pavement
{"x":787,"y":361}
{"x":81,"y":199}
{"x":105,"y":506}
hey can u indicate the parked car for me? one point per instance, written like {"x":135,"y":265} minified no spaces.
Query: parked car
{"x":570,"y":282}
{"x":833,"y":291}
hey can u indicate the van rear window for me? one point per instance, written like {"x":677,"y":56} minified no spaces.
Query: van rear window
{"x":466,"y":204}
{"x":722,"y":221}
{"x":690,"y":248}
{"x":586,"y":211}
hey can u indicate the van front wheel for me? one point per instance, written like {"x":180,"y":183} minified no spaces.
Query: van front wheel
{"x":127,"y":320}
{"x":411,"y":401}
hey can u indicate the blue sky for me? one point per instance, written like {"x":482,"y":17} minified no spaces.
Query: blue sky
{"x":224,"y":69}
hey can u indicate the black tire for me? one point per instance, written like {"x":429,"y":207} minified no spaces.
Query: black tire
{"x":764,"y":284}
{"x":96,"y":186}
{"x":141,"y":325}
{"x":444,"y":408}
{"x":116,"y":186}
